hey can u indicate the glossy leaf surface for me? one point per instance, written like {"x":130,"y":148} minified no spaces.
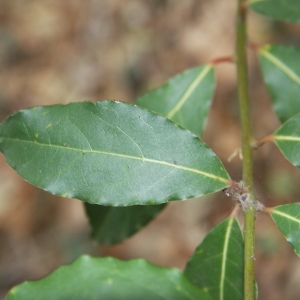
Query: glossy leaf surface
{"x":109,"y":153}
{"x":111,"y":225}
{"x":281,"y":71}
{"x":217,"y":264}
{"x":190,"y":93}
{"x":287,"y":219}
{"x":287,"y":139}
{"x":185,"y":98}
{"x":286,"y":10}
{"x":109,"y":278}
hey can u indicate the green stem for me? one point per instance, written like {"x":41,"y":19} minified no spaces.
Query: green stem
{"x":244,"y":105}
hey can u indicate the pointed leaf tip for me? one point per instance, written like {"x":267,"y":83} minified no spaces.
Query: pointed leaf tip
{"x":112,"y":225}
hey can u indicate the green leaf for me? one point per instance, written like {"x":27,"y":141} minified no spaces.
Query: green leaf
{"x":287,"y":219}
{"x":281,"y":74}
{"x":109,"y":153}
{"x":285,"y":10}
{"x":109,"y":278}
{"x":217,"y":264}
{"x":287,"y":139}
{"x":185,"y":98}
{"x":111,"y":225}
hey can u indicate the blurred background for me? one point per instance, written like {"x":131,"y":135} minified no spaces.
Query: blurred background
{"x":65,"y":51}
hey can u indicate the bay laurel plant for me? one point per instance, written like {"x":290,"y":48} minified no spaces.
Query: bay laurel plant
{"x":127,"y":161}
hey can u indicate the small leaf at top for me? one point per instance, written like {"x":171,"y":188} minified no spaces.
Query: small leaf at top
{"x":109,"y":278}
{"x":217,"y":264}
{"x":111,"y":225}
{"x":109,"y":153}
{"x":281,"y":73}
{"x":287,"y":219}
{"x":287,"y":139}
{"x":185,"y":98}
{"x":285,"y":10}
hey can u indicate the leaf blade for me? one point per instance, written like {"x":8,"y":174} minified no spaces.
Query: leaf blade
{"x":111,"y":225}
{"x":221,"y":252}
{"x":105,"y":151}
{"x":109,"y":278}
{"x":185,"y":98}
{"x":282,"y":77}
{"x":287,"y":139}
{"x":286,"y":10}
{"x":287,"y":219}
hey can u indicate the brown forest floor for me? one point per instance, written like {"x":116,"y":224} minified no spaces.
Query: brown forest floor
{"x":63,"y":51}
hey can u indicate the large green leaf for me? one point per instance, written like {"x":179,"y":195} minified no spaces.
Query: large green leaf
{"x":287,"y":139}
{"x":281,"y":71}
{"x":217,"y":264}
{"x":111,"y":225}
{"x":286,"y":10}
{"x":287,"y":219}
{"x":185,"y":98}
{"x":109,"y":153}
{"x":109,"y":278}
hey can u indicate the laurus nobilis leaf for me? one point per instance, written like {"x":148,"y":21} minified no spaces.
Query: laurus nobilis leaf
{"x":185,"y":98}
{"x":109,"y":153}
{"x":111,"y":225}
{"x":281,"y":72}
{"x":109,"y":278}
{"x":217,"y":264}
{"x":287,"y":139}
{"x":285,"y":10}
{"x":287,"y":219}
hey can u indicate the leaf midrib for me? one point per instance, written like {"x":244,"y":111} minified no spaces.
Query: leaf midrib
{"x":286,"y":138}
{"x":285,"y":215}
{"x":224,"y":257}
{"x":281,"y":66}
{"x":189,"y":91}
{"x":143,"y":159}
